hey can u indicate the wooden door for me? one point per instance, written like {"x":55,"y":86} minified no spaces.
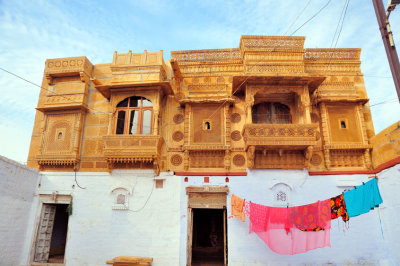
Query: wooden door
{"x":190,"y":237}
{"x":45,"y":232}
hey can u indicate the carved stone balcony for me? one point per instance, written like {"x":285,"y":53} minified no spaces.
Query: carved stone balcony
{"x":132,"y":149}
{"x":280,"y":136}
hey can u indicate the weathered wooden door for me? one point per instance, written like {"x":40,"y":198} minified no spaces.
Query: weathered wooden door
{"x":190,"y":237}
{"x":44,"y":233}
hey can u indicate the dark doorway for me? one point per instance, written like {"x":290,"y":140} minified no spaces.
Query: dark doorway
{"x":209,"y":238}
{"x":52,"y":234}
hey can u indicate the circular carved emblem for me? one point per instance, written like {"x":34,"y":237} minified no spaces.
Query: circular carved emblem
{"x":58,"y":64}
{"x":176,"y":159}
{"x":80,"y":62}
{"x":235,"y":135}
{"x":178,"y":118}
{"x":252,"y":132}
{"x":177,"y":136}
{"x":235,"y":118}
{"x":195,"y":80}
{"x":271,"y":132}
{"x":220,"y":79}
{"x":65,"y":63}
{"x":281,"y":132}
{"x":316,"y":160}
{"x":72,"y":62}
{"x":300,"y":131}
{"x":239,"y":160}
{"x":207,"y":79}
{"x":261,"y":132}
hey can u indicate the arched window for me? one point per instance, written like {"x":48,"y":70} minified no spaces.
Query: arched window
{"x":134,"y":116}
{"x":271,"y":113}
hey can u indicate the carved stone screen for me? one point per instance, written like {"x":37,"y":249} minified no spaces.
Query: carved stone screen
{"x":347,"y":114}
{"x":211,"y":113}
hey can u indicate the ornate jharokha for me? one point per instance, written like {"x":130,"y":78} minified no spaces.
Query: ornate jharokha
{"x":270,"y":103}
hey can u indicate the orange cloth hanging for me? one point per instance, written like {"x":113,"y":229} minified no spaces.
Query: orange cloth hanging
{"x":237,"y":207}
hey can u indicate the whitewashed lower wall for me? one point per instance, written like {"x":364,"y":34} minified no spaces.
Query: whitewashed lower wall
{"x":97,"y":233}
{"x":361,"y":244}
{"x":17,"y":187}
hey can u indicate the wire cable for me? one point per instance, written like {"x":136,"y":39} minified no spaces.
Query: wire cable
{"x":291,"y":25}
{"x":313,"y":16}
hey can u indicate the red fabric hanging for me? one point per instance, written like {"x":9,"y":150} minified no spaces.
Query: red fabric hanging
{"x":279,"y":227}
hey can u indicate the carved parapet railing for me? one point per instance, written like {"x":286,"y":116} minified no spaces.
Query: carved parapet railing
{"x":131,"y":149}
{"x":346,"y":54}
{"x":276,"y":42}
{"x":285,"y":136}
{"x":57,"y":160}
{"x":207,"y":55}
{"x":69,"y":66}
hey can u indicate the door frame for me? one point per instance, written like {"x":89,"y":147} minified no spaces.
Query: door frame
{"x":203,"y":197}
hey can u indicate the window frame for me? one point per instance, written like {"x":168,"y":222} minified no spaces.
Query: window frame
{"x":140,"y":109}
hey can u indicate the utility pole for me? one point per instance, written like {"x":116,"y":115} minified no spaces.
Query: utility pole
{"x":384,"y":27}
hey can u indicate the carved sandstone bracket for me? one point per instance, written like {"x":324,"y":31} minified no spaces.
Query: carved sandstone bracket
{"x":327,"y":158}
{"x":367,"y":158}
{"x":156,"y":167}
{"x":227,"y":160}
{"x":250,"y":157}
{"x":186,"y":160}
{"x":307,"y":155}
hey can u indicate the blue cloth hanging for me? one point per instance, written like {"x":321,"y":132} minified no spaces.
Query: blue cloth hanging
{"x":363,"y":198}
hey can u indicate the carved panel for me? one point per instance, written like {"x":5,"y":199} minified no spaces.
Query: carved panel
{"x":176,"y":160}
{"x":284,"y":42}
{"x":207,"y":55}
{"x":206,"y":159}
{"x":293,"y":159}
{"x":236,"y":136}
{"x":316,"y":159}
{"x":235,"y":118}
{"x":332,"y":54}
{"x":239,"y":160}
{"x":178,"y":118}
{"x":301,"y":135}
{"x":347,"y":158}
{"x":177,"y":136}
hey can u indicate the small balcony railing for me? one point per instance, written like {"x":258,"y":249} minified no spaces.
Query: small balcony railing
{"x":132,"y":149}
{"x":281,"y":135}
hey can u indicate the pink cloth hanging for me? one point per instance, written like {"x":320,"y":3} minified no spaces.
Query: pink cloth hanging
{"x":279,"y":227}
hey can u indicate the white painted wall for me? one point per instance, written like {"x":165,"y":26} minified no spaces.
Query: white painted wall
{"x":17,"y":186}
{"x":361,"y":244}
{"x":97,"y":233}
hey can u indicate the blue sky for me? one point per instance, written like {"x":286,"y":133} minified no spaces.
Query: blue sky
{"x":33,"y":31}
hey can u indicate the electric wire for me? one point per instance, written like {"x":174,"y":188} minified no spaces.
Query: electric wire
{"x":313,"y":16}
{"x":147,"y":200}
{"x":298,"y":16}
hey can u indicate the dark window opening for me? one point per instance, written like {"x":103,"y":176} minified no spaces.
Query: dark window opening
{"x":52,"y":234}
{"x":208,"y":236}
{"x":271,"y":113}
{"x":342,"y":124}
{"x":59,"y":135}
{"x":207,"y":125}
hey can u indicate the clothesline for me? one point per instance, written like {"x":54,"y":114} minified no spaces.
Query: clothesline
{"x":292,"y":230}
